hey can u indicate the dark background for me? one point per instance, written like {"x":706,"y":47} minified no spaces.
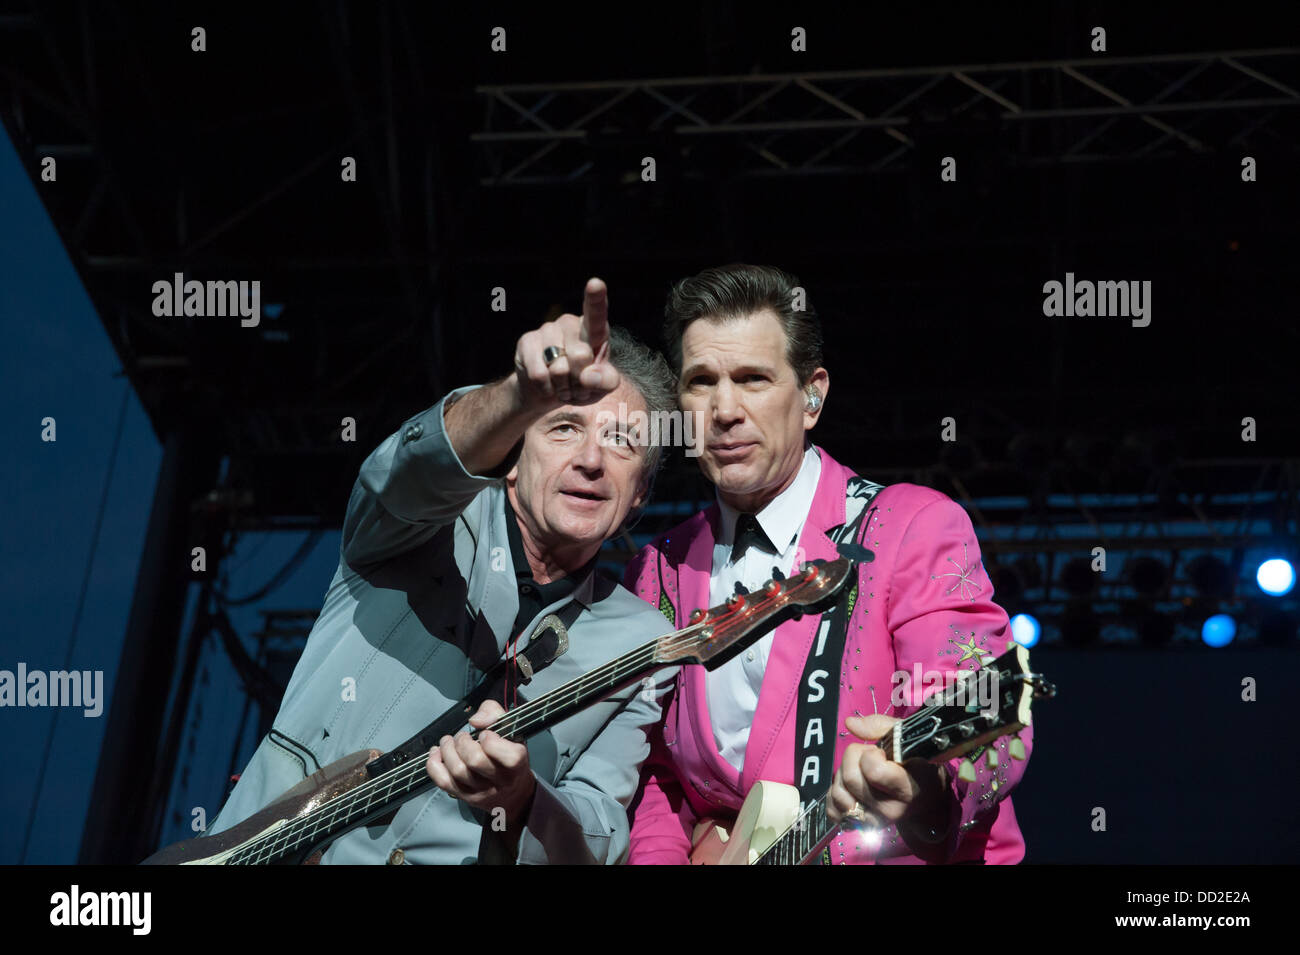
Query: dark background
{"x":1072,"y":432}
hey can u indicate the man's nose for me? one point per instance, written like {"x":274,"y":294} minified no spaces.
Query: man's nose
{"x":727,"y":408}
{"x":590,"y":455}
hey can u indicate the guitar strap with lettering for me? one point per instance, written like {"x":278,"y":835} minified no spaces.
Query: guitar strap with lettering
{"x":817,"y":711}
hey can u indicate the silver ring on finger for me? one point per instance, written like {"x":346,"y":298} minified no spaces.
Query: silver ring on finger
{"x":551,"y":352}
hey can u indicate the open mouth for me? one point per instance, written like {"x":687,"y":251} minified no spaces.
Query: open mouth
{"x":584,"y":495}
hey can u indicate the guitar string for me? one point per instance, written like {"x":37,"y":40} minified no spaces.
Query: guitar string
{"x":817,"y":814}
{"x":405,"y":774}
{"x":779,"y":847}
{"x":796,"y":844}
{"x":413,"y":770}
{"x":416,"y":772}
{"x":516,"y":721}
{"x":521,"y":719}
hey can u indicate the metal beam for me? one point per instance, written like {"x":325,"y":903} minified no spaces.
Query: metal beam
{"x":534,"y":113}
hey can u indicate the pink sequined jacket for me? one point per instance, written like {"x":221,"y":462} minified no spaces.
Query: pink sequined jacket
{"x":925,"y":599}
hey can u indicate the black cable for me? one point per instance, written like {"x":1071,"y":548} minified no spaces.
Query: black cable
{"x":257,"y":680}
{"x":280,"y":576}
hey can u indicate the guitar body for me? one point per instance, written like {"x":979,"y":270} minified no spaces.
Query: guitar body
{"x":767,"y":812}
{"x":320,"y":787}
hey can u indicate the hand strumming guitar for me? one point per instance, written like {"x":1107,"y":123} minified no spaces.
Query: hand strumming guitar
{"x":913,"y":794}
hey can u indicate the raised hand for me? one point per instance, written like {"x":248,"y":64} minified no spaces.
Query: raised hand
{"x":579,"y":370}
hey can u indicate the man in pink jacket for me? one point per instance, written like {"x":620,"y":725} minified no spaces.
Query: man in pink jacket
{"x":747,"y":346}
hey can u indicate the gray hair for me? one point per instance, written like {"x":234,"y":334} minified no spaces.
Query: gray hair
{"x":645,"y":370}
{"x":734,"y":291}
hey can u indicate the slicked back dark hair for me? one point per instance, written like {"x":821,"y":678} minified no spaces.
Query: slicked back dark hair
{"x":730,"y":292}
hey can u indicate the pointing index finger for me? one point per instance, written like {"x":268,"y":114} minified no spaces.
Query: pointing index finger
{"x":595,"y":314}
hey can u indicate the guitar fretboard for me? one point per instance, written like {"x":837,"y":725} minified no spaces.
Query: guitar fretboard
{"x":410,"y":778}
{"x":799,"y":841}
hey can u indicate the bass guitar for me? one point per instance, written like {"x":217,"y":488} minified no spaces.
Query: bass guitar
{"x":359,"y":788}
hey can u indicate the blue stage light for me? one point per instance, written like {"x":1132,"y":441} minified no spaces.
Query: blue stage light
{"x":1025,"y":630}
{"x":1276,"y":577}
{"x":1218,"y":631}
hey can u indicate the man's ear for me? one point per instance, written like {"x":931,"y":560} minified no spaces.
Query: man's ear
{"x":819,"y":382}
{"x":642,"y":494}
{"x":634,"y":513}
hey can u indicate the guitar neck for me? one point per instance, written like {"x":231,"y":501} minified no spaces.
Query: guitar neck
{"x":409,"y":778}
{"x":802,"y":840}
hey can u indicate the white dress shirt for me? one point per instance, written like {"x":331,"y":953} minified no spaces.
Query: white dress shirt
{"x":733,"y":687}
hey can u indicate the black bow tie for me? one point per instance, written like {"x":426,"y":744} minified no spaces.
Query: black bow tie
{"x":749,"y":534}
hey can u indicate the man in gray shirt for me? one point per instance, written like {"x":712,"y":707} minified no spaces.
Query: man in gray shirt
{"x":465,"y":529}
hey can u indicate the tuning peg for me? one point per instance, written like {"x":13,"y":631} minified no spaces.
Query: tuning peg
{"x":992,"y":758}
{"x":771,"y":587}
{"x":698,"y":614}
{"x":735,"y":602}
{"x":966,"y":771}
{"x":1017,"y":748}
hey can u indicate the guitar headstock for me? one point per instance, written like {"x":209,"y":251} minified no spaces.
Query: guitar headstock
{"x":719,"y":633}
{"x":981,"y":706}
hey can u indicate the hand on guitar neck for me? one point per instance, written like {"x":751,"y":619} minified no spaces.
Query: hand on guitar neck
{"x":489,"y":773}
